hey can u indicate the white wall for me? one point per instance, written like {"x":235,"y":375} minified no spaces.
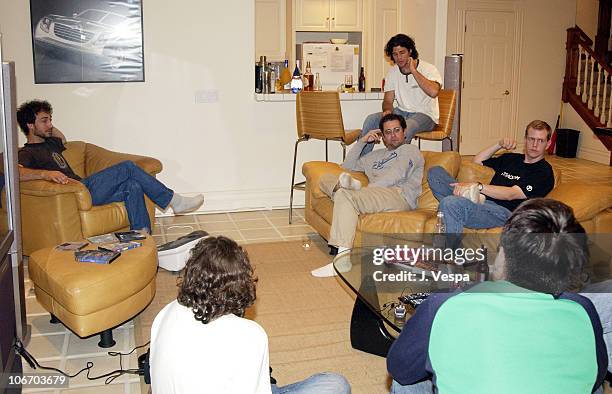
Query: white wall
{"x":236,"y":151}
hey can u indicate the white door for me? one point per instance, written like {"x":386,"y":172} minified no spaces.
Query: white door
{"x":486,"y":104}
{"x":385,"y":26}
{"x":346,"y":15}
{"x":270,"y":29}
{"x":312,"y":15}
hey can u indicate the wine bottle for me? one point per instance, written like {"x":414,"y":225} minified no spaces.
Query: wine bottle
{"x":362,"y":81}
{"x":309,"y":77}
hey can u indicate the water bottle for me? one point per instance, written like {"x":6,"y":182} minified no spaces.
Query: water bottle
{"x":439,"y":236}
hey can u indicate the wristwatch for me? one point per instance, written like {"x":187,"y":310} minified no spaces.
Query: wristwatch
{"x":480,"y":186}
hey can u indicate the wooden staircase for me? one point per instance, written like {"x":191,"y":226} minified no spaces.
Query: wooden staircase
{"x":587,"y":85}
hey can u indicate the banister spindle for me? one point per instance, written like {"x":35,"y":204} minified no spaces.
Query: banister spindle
{"x":597,"y":90}
{"x":603,"y":119}
{"x":585,"y":75}
{"x":590,"y":103}
{"x":578,"y":86}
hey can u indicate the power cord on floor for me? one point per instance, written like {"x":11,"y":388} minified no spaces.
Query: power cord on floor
{"x":110,"y":376}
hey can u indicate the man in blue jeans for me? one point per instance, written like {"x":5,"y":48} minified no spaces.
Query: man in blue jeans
{"x":415,"y":85}
{"x":41,"y":158}
{"x":517,"y":178}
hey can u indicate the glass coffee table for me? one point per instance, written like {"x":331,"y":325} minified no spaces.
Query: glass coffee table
{"x":378,"y":286}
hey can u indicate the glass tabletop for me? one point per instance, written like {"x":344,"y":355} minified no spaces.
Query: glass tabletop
{"x":379,"y":276}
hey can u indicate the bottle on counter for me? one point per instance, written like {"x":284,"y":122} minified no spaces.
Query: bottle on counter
{"x":309,"y":78}
{"x":296,"y":82}
{"x":317,"y":83}
{"x":266,"y":78}
{"x":271,"y":79}
{"x":362,"y":81}
{"x":259,"y":68}
{"x":285,"y":75}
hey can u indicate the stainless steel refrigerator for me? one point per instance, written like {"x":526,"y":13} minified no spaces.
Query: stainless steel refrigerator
{"x":12,"y":298}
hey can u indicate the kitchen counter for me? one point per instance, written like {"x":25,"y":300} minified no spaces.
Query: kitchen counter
{"x":286,"y":95}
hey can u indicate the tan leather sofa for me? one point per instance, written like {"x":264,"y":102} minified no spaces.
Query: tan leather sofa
{"x":592,"y":204}
{"x":52,"y":213}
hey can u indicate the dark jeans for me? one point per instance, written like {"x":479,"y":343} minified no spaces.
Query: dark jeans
{"x":129,"y":183}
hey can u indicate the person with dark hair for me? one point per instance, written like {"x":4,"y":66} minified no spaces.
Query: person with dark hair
{"x":414,"y":83}
{"x":394,"y":183}
{"x":517,"y":177}
{"x":201,"y":343}
{"x":522,"y":333}
{"x":41,"y":158}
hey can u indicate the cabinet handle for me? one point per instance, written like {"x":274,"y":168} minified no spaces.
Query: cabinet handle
{"x":333,"y":19}
{"x":327,"y":18}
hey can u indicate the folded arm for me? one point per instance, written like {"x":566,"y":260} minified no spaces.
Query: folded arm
{"x":30,"y":174}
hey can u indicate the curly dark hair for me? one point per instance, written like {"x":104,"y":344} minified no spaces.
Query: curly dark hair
{"x":26,"y":113}
{"x":217,"y":280}
{"x":391,"y":117}
{"x":545,"y":247}
{"x":401,"y":40}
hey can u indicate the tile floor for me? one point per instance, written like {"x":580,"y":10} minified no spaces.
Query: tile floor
{"x":55,"y":346}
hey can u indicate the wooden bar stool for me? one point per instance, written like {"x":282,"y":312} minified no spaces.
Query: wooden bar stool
{"x":447,"y":100}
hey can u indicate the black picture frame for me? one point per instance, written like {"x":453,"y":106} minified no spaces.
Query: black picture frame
{"x":80,"y":41}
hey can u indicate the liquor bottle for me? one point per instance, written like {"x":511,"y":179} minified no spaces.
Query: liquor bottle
{"x":296,"y":81}
{"x":362,"y":80}
{"x":482,"y":270}
{"x":271,"y":79}
{"x":259,"y":75}
{"x":285,"y":75}
{"x":309,"y":78}
{"x":317,"y":83}
{"x":266,"y":77}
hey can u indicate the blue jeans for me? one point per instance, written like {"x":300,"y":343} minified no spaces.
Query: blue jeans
{"x":415,"y":122}
{"x":321,"y":383}
{"x":129,"y":183}
{"x":460,"y":212}
{"x":600,"y":295}
{"x":424,"y":387}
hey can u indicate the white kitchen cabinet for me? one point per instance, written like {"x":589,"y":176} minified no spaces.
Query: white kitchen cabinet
{"x":328,"y":15}
{"x":270,"y":29}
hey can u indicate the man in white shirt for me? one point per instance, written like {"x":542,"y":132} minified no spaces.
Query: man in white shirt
{"x":415,"y":85}
{"x":200,"y":343}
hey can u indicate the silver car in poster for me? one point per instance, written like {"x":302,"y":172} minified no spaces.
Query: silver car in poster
{"x":97,"y":32}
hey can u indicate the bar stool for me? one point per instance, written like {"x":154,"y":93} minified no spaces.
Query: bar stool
{"x":319,"y":116}
{"x":447,"y":100}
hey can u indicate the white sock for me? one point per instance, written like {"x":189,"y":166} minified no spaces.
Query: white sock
{"x":348,"y":182}
{"x":183,"y":204}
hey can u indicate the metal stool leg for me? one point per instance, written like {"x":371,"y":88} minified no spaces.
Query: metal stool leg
{"x":419,"y":141}
{"x":326,"y":152}
{"x":54,"y":319}
{"x":293,"y":179}
{"x":343,"y":150}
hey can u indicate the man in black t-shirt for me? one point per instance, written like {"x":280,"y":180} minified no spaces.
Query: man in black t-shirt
{"x":517,"y":178}
{"x":41,"y":158}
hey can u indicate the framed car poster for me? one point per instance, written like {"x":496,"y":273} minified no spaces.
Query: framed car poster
{"x":76,"y":41}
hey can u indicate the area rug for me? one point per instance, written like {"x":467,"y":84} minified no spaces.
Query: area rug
{"x":307,"y":319}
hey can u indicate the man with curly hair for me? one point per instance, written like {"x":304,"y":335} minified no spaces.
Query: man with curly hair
{"x":201,"y":343}
{"x":415,"y":85}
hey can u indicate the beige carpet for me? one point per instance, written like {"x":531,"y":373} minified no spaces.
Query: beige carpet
{"x":307,"y":319}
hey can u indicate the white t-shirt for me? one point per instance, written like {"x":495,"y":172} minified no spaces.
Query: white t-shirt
{"x":409,"y":95}
{"x":227,"y":355}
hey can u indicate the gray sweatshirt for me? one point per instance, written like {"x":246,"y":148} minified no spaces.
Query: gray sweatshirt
{"x":401,"y":167}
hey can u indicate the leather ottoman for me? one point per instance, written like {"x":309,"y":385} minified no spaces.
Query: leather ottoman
{"x":91,"y":298}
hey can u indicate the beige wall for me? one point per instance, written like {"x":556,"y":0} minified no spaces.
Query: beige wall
{"x":587,"y":12}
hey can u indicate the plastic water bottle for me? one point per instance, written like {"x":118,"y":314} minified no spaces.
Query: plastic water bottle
{"x":439,"y":236}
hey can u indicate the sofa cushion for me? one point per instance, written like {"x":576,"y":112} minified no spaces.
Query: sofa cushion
{"x":75,"y":156}
{"x":586,"y":200}
{"x":450,"y":161}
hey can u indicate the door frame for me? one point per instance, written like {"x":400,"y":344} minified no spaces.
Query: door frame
{"x":457,"y":11}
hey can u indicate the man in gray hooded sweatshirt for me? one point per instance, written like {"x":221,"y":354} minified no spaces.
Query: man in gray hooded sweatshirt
{"x":394,"y":174}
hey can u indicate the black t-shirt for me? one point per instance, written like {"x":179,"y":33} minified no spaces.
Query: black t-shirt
{"x":535,"y":179}
{"x":46,"y":155}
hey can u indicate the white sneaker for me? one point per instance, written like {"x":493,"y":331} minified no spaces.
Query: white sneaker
{"x":348,"y":182}
{"x":183,"y":204}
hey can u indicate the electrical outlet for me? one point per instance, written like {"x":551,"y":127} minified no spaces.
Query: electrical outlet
{"x":206,"y":96}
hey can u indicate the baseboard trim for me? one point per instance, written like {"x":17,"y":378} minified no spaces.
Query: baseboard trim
{"x":246,"y":200}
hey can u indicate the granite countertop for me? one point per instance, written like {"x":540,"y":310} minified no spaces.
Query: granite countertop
{"x":286,"y":95}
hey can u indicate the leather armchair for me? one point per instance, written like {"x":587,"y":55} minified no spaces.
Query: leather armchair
{"x":52,"y":213}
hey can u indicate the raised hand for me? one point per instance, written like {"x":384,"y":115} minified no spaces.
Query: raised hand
{"x":507,"y":143}
{"x":372,"y":136}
